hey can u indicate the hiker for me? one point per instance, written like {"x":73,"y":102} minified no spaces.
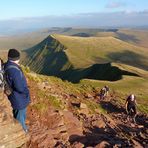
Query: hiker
{"x":102,"y":93}
{"x":20,"y":97}
{"x":106,"y":90}
{"x":130,"y":106}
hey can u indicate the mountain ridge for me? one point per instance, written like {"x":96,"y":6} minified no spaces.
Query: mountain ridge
{"x":24,"y":41}
{"x":72,"y":58}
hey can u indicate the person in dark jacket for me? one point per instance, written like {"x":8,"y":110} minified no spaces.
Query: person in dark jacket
{"x":20,"y":96}
{"x":130,"y":106}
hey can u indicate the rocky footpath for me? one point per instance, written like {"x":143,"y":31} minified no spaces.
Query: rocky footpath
{"x":54,"y":129}
{"x":63,"y":116}
{"x":11,"y":132}
{"x":75,"y":126}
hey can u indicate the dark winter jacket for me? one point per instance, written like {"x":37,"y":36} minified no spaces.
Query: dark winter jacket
{"x":20,"y":96}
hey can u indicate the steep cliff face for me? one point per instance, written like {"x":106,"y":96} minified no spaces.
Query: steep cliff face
{"x":11,"y":132}
{"x":48,"y":57}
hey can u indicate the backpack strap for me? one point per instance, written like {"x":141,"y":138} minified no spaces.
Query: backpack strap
{"x":15,"y":67}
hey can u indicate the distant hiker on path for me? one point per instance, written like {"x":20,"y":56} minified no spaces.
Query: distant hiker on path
{"x":20,"y":97}
{"x":131,"y":106}
{"x":102,"y":93}
{"x":107,"y":90}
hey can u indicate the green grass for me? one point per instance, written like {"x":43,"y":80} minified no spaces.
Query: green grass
{"x":95,"y":107}
{"x":40,"y":107}
{"x":75,"y":58}
{"x":120,"y":90}
{"x":128,"y":85}
{"x":133,"y":36}
{"x":58,"y":53}
{"x":55,"y":102}
{"x":83,"y":52}
{"x":137,"y":37}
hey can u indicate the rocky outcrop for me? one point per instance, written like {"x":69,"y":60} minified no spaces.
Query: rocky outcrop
{"x":57,"y":129}
{"x":11,"y":132}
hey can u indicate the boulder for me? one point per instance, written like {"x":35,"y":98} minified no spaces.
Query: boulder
{"x":103,"y":144}
{"x":136,"y":144}
{"x":99,"y":123}
{"x":83,"y":106}
{"x":76,"y":104}
{"x":73,"y":125}
{"x":78,"y":145}
{"x":89,"y":96}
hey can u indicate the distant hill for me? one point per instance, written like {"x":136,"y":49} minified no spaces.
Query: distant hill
{"x":137,"y":37}
{"x":74,"y":58}
{"x":22,"y":41}
{"x":27,"y":40}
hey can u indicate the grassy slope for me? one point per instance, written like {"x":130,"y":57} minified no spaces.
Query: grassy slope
{"x":128,"y":85}
{"x":84,"y":52}
{"x":101,"y":47}
{"x":119,"y":89}
{"x":74,"y":58}
{"x":137,"y":37}
{"x":47,"y":57}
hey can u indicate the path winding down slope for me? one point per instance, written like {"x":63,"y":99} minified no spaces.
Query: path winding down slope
{"x":62,"y":119}
{"x":74,"y":125}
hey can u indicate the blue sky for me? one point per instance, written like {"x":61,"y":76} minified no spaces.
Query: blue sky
{"x":10,"y":9}
{"x":18,"y":15}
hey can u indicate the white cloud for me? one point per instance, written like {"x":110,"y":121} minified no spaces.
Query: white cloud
{"x":115,"y":5}
{"x":114,"y":19}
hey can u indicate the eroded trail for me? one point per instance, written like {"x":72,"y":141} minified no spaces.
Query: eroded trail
{"x":74,"y":126}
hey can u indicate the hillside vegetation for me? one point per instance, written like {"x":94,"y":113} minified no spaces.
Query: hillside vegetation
{"x":136,"y":37}
{"x":75,"y":58}
{"x":86,"y":51}
{"x":78,"y":118}
{"x":66,"y":114}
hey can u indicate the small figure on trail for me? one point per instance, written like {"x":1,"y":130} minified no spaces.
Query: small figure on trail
{"x":107,"y":90}
{"x":130,"y":106}
{"x":102,"y":93}
{"x":19,"y":97}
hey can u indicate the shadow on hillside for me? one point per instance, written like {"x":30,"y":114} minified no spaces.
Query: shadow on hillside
{"x":127,"y":38}
{"x":97,"y":135}
{"x":97,"y":71}
{"x":82,"y":34}
{"x":142,"y":120}
{"x":130,"y":58}
{"x":110,"y":107}
{"x":49,"y":58}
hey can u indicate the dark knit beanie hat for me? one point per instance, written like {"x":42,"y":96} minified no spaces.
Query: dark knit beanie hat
{"x":13,"y":55}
